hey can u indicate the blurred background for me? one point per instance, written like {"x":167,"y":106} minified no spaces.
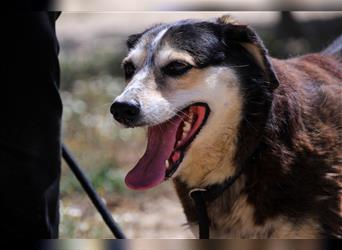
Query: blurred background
{"x":92,"y":46}
{"x":217,"y":5}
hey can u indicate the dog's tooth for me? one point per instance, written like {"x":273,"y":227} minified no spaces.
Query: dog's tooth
{"x":191,"y":115}
{"x":187,"y":126}
{"x":167,"y":164}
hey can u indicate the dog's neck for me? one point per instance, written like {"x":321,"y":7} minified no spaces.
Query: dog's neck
{"x":209,"y":164}
{"x":230,"y":200}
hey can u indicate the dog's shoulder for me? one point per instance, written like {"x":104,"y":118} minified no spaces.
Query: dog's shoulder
{"x":307,"y":110}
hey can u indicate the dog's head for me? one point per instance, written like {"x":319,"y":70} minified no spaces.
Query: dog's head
{"x":187,"y":83}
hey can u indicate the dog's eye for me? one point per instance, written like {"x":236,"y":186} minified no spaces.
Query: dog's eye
{"x":129,"y":69}
{"x":176,"y":68}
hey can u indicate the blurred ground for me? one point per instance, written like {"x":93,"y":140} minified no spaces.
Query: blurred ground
{"x":92,"y":47}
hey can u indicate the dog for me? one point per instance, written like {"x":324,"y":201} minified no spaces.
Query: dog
{"x":215,"y":104}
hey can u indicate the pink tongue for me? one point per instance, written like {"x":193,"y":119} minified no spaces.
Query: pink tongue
{"x":150,"y":169}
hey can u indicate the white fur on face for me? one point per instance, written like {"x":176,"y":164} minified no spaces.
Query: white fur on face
{"x":142,"y":89}
{"x":158,"y":38}
{"x":138,"y":54}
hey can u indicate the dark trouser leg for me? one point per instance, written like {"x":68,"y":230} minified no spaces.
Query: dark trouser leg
{"x":30,"y":126}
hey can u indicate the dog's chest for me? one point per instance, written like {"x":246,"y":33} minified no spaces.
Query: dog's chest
{"x":238,"y":221}
{"x":233,"y":217}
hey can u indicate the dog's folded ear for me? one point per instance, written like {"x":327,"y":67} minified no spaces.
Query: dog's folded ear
{"x":233,"y":32}
{"x":132,"y":40}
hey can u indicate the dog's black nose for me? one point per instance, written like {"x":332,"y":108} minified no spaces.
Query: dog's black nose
{"x":125,"y":112}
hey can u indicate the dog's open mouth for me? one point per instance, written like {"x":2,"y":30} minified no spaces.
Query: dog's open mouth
{"x":166,"y":146}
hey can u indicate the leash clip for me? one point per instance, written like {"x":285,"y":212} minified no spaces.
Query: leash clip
{"x":197,"y":196}
{"x":196,"y":190}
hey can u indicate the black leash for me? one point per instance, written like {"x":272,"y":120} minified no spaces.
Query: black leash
{"x":202,"y":195}
{"x":94,"y":197}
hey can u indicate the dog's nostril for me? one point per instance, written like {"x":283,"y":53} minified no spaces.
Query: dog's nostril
{"x":125,"y":111}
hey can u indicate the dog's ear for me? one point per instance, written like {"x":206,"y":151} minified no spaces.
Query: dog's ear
{"x":233,"y":32}
{"x":132,"y":40}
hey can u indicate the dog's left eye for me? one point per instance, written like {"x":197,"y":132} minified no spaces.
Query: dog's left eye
{"x":176,"y":68}
{"x":129,"y":70}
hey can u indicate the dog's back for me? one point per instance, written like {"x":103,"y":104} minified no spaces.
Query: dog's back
{"x":308,"y":108}
{"x":317,"y":79}
{"x":315,"y":82}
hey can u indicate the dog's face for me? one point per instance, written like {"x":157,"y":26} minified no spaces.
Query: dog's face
{"x":184,"y":84}
{"x":168,"y":69}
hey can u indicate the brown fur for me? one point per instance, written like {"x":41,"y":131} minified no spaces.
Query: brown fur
{"x":292,"y":188}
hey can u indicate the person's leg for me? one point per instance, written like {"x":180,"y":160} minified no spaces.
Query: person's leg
{"x":31,"y":109}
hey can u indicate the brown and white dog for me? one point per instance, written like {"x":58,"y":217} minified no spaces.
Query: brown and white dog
{"x":214,"y":102}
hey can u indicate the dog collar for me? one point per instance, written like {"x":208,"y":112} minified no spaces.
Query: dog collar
{"x":202,"y":195}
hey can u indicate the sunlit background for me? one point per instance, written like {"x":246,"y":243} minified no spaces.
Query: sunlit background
{"x":92,"y":47}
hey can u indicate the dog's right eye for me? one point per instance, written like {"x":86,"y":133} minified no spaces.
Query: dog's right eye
{"x":129,"y":70}
{"x":176,"y":68}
